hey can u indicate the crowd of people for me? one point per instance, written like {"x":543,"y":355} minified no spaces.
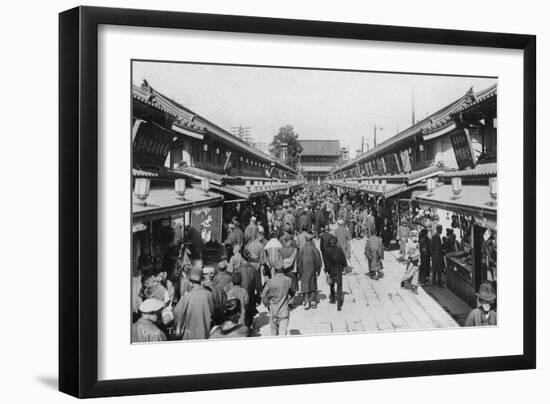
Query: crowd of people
{"x":276,"y":261}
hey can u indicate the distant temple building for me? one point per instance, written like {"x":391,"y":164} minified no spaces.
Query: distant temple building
{"x":318,"y":158}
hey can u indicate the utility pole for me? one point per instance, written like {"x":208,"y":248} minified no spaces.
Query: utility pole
{"x":413,"y":111}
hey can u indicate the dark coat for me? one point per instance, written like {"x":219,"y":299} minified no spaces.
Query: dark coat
{"x":436,"y":251}
{"x":193,"y":236}
{"x":304,"y":222}
{"x":335,"y":261}
{"x":374,"y":251}
{"x":308,"y":263}
{"x":251,"y":283}
{"x":320,"y":220}
{"x":324,"y":237}
{"x":193,"y":313}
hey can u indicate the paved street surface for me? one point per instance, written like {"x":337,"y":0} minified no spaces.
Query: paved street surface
{"x":373,"y":305}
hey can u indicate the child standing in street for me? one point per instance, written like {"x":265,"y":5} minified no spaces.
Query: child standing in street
{"x":412,"y":255}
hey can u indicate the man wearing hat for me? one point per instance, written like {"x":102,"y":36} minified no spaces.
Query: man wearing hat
{"x":276,"y":297}
{"x":335,"y":262}
{"x":145,"y":328}
{"x":438,"y":256}
{"x":483,"y":315}
{"x":193,"y":313}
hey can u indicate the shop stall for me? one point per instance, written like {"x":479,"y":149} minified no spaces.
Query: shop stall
{"x":160,"y":215}
{"x":471,"y":212}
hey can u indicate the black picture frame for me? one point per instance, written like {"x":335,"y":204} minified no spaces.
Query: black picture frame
{"x":78,"y":196}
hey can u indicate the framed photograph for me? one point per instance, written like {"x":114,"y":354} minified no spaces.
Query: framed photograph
{"x":243,"y":197}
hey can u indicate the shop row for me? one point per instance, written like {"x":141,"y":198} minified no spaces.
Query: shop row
{"x":442,"y":171}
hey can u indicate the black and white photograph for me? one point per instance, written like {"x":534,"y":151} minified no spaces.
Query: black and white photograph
{"x":275,"y":201}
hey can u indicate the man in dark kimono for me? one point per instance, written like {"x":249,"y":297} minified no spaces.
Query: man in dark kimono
{"x":308,"y":264}
{"x":374,"y":251}
{"x":304,"y":221}
{"x":335,"y":262}
{"x":324,"y":237}
{"x":193,"y":313}
{"x":251,"y":283}
{"x":438,"y":257}
{"x":320,"y":220}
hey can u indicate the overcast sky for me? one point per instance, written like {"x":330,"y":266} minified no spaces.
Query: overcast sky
{"x":319,"y":104}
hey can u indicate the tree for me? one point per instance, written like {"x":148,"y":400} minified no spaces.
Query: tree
{"x":286,"y":136}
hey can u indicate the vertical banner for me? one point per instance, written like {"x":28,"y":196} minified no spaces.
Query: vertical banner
{"x":462,"y":146}
{"x":405,"y":159}
{"x":208,"y":220}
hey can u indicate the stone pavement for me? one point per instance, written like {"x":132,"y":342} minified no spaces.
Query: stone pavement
{"x":372,"y":305}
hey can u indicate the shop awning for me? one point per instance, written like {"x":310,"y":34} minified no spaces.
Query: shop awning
{"x":428,"y":172}
{"x":473,"y":200}
{"x":481,"y":170}
{"x":317,"y":169}
{"x":241,"y":191}
{"x":199,"y":174}
{"x":265,"y":179}
{"x":164,"y":202}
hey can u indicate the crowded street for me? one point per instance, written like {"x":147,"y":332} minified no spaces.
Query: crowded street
{"x":233,"y":237}
{"x":371,"y":305}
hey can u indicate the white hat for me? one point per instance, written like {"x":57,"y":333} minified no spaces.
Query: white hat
{"x":150,"y":306}
{"x":253,"y":219}
{"x":340,"y":221}
{"x":208,"y":270}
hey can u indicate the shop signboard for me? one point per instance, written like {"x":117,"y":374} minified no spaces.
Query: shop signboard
{"x":208,"y":220}
{"x":390,"y":164}
{"x":151,"y":146}
{"x":462,"y":146}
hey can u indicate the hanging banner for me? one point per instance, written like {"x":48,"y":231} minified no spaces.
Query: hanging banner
{"x":462,"y":146}
{"x":406,"y":161}
{"x":208,"y":221}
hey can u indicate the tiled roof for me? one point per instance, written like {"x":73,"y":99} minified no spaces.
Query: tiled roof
{"x":320,"y":147}
{"x":189,"y":119}
{"x":433,"y":122}
{"x":482,"y":170}
{"x":488,"y":93}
